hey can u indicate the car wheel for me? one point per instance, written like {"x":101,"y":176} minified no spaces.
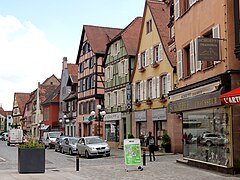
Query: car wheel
{"x":107,"y":155}
{"x":209,"y":143}
{"x":8,"y":143}
{"x":87,"y":154}
{"x":70,"y":151}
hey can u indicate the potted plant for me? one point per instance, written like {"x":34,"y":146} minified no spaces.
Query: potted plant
{"x":166,"y":142}
{"x":137,"y":103}
{"x":149,"y":101}
{"x":130,"y":136}
{"x":163,"y":99}
{"x":31,"y":157}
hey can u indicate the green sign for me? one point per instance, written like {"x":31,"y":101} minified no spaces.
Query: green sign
{"x":132,"y":154}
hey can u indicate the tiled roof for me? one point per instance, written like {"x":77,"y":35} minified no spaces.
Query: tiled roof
{"x":2,"y":112}
{"x":22,"y":99}
{"x":71,"y":96}
{"x":98,"y":37}
{"x":160,"y":13}
{"x":73,"y":72}
{"x":130,"y":36}
{"x":51,"y":97}
{"x":46,"y":91}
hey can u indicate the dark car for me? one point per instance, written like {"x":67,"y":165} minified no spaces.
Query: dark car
{"x":58,"y":143}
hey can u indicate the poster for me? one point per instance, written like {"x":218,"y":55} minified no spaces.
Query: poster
{"x":132,"y":152}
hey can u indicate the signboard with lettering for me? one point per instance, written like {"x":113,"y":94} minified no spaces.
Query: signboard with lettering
{"x":159,"y":114}
{"x":129,"y":96}
{"x":112,"y":117}
{"x":140,"y":116}
{"x":208,"y":49}
{"x":201,"y":101}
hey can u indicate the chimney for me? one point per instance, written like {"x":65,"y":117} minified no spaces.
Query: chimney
{"x":64,"y":63}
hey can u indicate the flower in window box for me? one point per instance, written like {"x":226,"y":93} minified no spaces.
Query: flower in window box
{"x":137,"y":103}
{"x":154,"y":64}
{"x":163,"y":99}
{"x":149,"y":101}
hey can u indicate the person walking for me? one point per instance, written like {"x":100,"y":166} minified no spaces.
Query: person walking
{"x":151,"y":145}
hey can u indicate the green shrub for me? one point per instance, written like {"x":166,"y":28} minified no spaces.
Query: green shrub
{"x":31,"y":143}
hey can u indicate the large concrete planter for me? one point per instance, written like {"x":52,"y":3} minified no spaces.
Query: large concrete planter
{"x":31,"y":160}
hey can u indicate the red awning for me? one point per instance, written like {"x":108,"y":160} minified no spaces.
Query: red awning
{"x":231,"y":97}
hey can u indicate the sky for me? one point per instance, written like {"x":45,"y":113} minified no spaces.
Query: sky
{"x":36,"y":35}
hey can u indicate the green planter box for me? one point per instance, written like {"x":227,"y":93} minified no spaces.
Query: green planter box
{"x":31,"y":160}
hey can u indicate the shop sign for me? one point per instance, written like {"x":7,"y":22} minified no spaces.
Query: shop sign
{"x":208,"y":49}
{"x":129,"y":96}
{"x":140,"y":116}
{"x":201,"y":101}
{"x":159,"y":114}
{"x":113,"y":117}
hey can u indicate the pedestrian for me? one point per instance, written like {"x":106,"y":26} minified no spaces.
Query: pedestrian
{"x":151,"y":145}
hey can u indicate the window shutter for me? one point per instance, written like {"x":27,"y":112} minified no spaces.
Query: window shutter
{"x":169,"y":83}
{"x":192,"y":60}
{"x":151,"y":55}
{"x":141,"y":90}
{"x":118,"y":99}
{"x":177,"y":9}
{"x":118,"y":46}
{"x":111,"y":99}
{"x":145,"y":89}
{"x":179,"y":62}
{"x":133,"y":92}
{"x":216,"y":34}
{"x":139,"y":61}
{"x":146,"y":57}
{"x":126,"y":66}
{"x":154,"y":87}
{"x":198,"y":63}
{"x":158,"y":87}
{"x":160,"y":52}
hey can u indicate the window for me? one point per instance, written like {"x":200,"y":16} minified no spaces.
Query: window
{"x":81,"y":67}
{"x":149,"y":26}
{"x":86,"y":48}
{"x":81,"y":85}
{"x":92,"y":81}
{"x":144,"y":59}
{"x":164,"y":85}
{"x":155,"y":50}
{"x":115,"y":48}
{"x":91,"y":63}
{"x":123,"y":98}
{"x":177,"y":9}
{"x":186,"y":5}
{"x":150,"y":88}
{"x":186,"y":61}
{"x":138,"y":91}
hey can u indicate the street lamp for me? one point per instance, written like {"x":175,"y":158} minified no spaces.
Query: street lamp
{"x":63,"y":121}
{"x":40,"y":126}
{"x":101,"y":113}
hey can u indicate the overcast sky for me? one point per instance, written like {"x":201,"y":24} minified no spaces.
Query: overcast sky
{"x":36,"y":35}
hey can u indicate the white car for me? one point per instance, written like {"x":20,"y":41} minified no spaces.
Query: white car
{"x":93,"y":146}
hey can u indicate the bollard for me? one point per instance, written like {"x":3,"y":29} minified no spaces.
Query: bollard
{"x":77,"y":162}
{"x":144,"y":157}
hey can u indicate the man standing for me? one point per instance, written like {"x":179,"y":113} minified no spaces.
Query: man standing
{"x":151,"y":145}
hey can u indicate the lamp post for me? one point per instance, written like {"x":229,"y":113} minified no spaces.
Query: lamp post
{"x":63,"y":121}
{"x":101,"y":113}
{"x":40,"y":126}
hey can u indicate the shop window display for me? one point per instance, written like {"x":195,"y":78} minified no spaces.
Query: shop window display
{"x":112,"y":132}
{"x":205,"y":135}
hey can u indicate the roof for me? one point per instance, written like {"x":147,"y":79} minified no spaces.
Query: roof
{"x":160,"y":13}
{"x":22,"y":99}
{"x":71,"y":96}
{"x":2,"y":112}
{"x":130,"y":36}
{"x":46,"y":91}
{"x":98,"y":38}
{"x":51,"y":97}
{"x":73,"y":72}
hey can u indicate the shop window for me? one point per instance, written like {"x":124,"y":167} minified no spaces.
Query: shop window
{"x":205,"y":135}
{"x":112,"y":131}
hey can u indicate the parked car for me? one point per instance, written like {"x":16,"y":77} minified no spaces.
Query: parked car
{"x":210,"y":139}
{"x":49,"y":138}
{"x":4,"y":136}
{"x":69,"y":145}
{"x":92,"y":146}
{"x":58,"y":143}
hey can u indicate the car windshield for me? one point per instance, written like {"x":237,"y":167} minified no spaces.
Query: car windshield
{"x":94,"y":140}
{"x":73,"y":140}
{"x":54,"y":134}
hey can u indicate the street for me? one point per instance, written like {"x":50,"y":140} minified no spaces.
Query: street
{"x":62,"y":166}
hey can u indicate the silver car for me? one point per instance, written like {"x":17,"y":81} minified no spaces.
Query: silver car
{"x":92,"y":146}
{"x":69,"y":145}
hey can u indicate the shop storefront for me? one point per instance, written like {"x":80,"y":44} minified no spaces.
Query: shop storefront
{"x":112,"y":128}
{"x":87,"y":126}
{"x":206,"y":126}
{"x":159,"y":117}
{"x":141,"y":124}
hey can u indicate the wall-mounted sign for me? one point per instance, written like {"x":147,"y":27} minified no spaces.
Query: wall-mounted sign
{"x":140,"y":116}
{"x":208,"y":49}
{"x":159,"y":114}
{"x":113,"y":117}
{"x":129,"y":96}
